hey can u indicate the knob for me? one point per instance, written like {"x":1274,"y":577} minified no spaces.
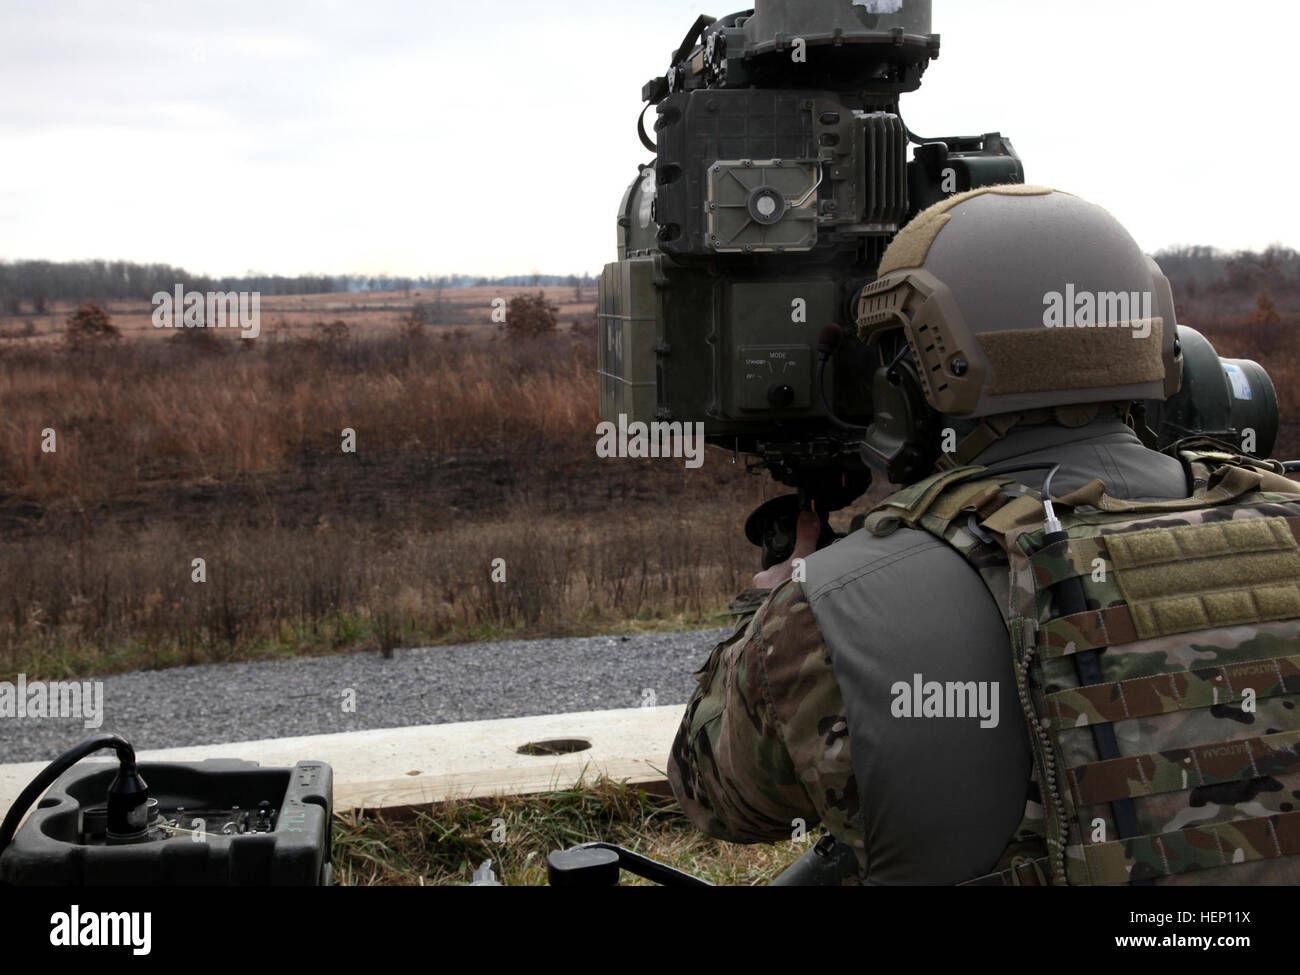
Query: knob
{"x":780,"y":394}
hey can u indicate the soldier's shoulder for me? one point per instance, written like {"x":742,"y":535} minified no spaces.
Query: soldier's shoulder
{"x":902,"y":554}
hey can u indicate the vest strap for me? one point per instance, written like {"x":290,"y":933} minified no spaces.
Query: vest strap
{"x":1023,"y":872}
{"x":912,"y":503}
{"x":1225,"y":484}
{"x":1094,"y":629}
{"x":1067,"y":559}
{"x":1019,"y":513}
{"x":1142,"y":697}
{"x":1179,"y":770}
{"x":1194,"y":848}
{"x":987,"y":432}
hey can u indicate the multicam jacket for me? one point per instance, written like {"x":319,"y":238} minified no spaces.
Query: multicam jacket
{"x":763,"y":753}
{"x":765,"y":743}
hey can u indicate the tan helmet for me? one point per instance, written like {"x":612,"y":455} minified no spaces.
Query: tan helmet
{"x":1015,"y":298}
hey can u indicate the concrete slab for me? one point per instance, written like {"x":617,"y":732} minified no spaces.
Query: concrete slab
{"x":395,"y":767}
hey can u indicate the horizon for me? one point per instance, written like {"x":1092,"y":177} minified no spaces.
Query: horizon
{"x":458,"y":279}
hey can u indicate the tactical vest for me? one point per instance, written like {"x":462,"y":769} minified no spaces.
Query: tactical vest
{"x":1163,"y":713}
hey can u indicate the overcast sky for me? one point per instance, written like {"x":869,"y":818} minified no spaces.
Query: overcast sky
{"x":497,"y":136}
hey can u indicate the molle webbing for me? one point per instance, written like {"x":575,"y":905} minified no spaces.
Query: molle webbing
{"x":1226,"y":484}
{"x":1141,"y":697}
{"x":1195,"y":618}
{"x":933,"y":498}
{"x":1186,"y":768}
{"x":1177,"y":851}
{"x":1194,"y":848}
{"x":1095,"y":629}
{"x":1037,"y":360}
{"x":1068,"y":558}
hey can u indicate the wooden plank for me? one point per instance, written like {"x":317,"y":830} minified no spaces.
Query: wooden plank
{"x":401,"y":767}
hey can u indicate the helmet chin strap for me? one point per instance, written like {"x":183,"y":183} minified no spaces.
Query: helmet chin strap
{"x":990,"y":429}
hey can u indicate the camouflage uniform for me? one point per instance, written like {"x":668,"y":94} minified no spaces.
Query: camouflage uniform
{"x":765,"y":742}
{"x":767,"y":737}
{"x":1077,"y":742}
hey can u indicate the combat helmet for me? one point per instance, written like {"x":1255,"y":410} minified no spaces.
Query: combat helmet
{"x":1010,"y":304}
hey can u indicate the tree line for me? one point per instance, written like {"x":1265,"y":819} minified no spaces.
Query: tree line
{"x":1206,"y":270}
{"x":33,"y":285}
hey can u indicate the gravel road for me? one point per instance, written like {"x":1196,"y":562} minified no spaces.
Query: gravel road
{"x":432,"y":685}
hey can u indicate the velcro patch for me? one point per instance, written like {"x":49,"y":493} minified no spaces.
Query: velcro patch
{"x":1036,"y":360}
{"x":1202,"y":576}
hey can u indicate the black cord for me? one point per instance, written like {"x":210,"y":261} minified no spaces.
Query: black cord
{"x":125,"y":755}
{"x":830,"y":414}
{"x":1070,"y":599}
{"x":688,"y":42}
{"x":921,"y":140}
{"x":641,"y":133}
{"x":643,"y":866}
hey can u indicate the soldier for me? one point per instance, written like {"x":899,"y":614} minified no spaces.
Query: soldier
{"x":1060,"y":657}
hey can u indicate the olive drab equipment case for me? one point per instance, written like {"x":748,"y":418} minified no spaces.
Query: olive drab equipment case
{"x":1162,"y":714}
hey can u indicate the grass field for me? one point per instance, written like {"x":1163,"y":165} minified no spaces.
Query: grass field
{"x":302,"y":316}
{"x":469,"y":448}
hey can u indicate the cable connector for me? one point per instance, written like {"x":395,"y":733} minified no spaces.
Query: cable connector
{"x":1051,"y":524}
{"x":128,"y":805}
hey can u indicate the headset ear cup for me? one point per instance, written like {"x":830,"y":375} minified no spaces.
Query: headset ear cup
{"x":902,"y":437}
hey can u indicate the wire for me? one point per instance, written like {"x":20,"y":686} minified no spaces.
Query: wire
{"x":191,"y":832}
{"x":830,"y":414}
{"x":640,"y":130}
{"x":688,"y":42}
{"x":921,"y":140}
{"x":125,"y":754}
{"x":1046,"y":494}
{"x":996,"y":471}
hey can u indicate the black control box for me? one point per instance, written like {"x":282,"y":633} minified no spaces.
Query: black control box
{"x":216,"y":822}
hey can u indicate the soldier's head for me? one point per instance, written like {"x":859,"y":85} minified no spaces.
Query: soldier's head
{"x":1010,"y":305}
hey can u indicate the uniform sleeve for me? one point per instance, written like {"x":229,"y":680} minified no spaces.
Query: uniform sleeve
{"x":764,"y":741}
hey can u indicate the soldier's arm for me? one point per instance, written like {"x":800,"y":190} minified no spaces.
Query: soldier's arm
{"x":764,"y":740}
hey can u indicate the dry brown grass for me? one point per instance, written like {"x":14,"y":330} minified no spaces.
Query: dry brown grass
{"x":297,"y":315}
{"x":447,"y":842}
{"x":116,"y":598}
{"x":132,"y":413}
{"x":468,"y":449}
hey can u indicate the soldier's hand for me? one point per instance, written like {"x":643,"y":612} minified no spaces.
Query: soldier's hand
{"x":807,"y":531}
